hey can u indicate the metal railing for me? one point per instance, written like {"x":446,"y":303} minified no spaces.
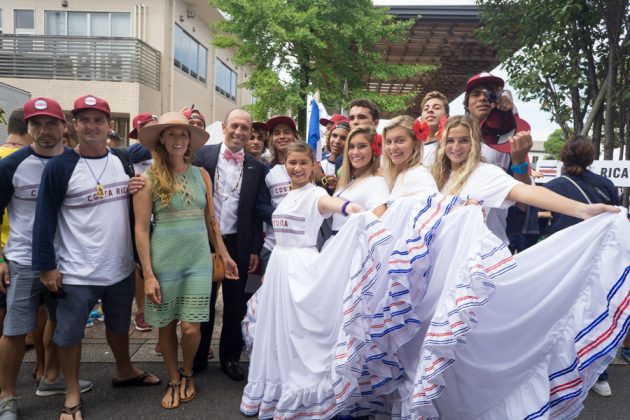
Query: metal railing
{"x":79,"y":58}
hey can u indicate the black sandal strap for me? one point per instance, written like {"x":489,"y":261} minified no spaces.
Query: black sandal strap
{"x":174,"y":387}
{"x":187,"y":378}
{"x":71,"y":411}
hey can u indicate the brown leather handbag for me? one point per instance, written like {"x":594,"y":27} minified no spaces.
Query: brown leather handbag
{"x":218,"y":267}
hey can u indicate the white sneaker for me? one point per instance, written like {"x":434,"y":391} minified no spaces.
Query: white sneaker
{"x":602,"y":388}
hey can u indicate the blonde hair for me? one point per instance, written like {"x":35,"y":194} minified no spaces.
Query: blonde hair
{"x":302,"y":147}
{"x":442,"y":167}
{"x":347,"y":172}
{"x":161,"y":172}
{"x":390,"y":170}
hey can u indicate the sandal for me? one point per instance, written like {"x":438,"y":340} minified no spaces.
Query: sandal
{"x":186,"y":378}
{"x":173,"y":388}
{"x":71,"y":411}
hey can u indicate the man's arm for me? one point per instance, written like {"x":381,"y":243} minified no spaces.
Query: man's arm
{"x":52,"y":192}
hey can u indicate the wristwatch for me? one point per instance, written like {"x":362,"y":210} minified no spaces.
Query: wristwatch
{"x":521,"y":169}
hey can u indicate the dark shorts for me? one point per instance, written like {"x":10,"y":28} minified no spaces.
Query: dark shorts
{"x":73,"y":309}
{"x":24,"y":295}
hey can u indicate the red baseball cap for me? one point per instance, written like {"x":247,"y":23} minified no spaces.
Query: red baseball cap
{"x":334,"y":119}
{"x":91,"y":102}
{"x":483,"y":78}
{"x":498,"y":124}
{"x":280,"y":119}
{"x":139,"y":120}
{"x":259,"y":125}
{"x":194,"y":114}
{"x":43,"y":106}
{"x":341,"y":124}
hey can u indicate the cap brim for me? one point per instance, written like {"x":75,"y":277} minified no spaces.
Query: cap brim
{"x":324,"y":121}
{"x":282,"y":119}
{"x":490,"y":80}
{"x":46,"y":114}
{"x":133,"y":134}
{"x":149,"y":135}
{"x":75,"y":110}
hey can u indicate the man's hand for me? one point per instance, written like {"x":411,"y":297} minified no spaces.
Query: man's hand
{"x":253,"y":263}
{"x":521,"y":145}
{"x":51,"y":279}
{"x":5,"y":279}
{"x":135,"y":184}
{"x":505,"y":102}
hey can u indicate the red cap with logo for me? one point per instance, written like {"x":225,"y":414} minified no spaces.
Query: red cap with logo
{"x":334,"y":119}
{"x":43,"y":106}
{"x":194,"y":114}
{"x":91,"y":102}
{"x":140,"y":120}
{"x":483,"y":78}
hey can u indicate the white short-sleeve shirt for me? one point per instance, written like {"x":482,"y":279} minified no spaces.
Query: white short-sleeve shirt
{"x":369,"y":193}
{"x":417,"y":179}
{"x":489,"y":184}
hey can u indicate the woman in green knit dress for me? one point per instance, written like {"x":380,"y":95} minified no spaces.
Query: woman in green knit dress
{"x":175,"y":257}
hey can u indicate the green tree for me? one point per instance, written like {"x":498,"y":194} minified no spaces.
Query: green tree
{"x":553,"y":145}
{"x":571,"y":56}
{"x":320,"y":45}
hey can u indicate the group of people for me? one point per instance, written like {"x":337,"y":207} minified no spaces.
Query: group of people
{"x":395,"y":315}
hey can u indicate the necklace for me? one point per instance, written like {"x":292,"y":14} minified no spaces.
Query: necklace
{"x":100,"y":190}
{"x":224,"y":196}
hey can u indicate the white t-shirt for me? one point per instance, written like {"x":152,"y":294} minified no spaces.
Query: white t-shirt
{"x":369,"y":192}
{"x":413,"y":181}
{"x":489,"y":184}
{"x":278,"y":182}
{"x":496,"y":218}
{"x":297,"y":219}
{"x":328,"y":167}
{"x":428,"y":154}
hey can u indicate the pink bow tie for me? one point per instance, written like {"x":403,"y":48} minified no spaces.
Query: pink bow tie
{"x":237,"y":157}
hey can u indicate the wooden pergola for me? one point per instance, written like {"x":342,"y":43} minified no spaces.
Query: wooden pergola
{"x":443,"y":36}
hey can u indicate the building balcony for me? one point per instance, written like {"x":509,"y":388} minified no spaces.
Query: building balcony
{"x":79,"y":58}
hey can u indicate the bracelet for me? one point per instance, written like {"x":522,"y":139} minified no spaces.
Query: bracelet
{"x":343,"y":208}
{"x":521,"y":169}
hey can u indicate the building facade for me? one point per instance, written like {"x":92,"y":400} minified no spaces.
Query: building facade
{"x":151,"y":56}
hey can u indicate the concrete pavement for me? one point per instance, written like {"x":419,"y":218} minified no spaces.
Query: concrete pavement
{"x":218,"y":397}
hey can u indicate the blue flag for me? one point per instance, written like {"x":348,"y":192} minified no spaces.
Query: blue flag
{"x":313,"y":126}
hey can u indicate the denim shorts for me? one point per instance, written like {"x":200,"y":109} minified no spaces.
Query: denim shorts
{"x":73,"y":309}
{"x":24,"y":295}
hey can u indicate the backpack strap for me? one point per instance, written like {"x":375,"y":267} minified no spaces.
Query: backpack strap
{"x":123,"y":154}
{"x":588,"y":200}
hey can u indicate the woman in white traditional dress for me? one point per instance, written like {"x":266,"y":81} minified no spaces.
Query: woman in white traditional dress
{"x":458,"y":170}
{"x":282,"y":133}
{"x":292,"y":321}
{"x":402,"y":160}
{"x":358,"y":179}
{"x":482,"y":334}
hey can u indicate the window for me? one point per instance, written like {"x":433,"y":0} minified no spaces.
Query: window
{"x":225,"y":82}
{"x":190,"y":56}
{"x":88,"y":23}
{"x":24,"y":22}
{"x":0,"y":21}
